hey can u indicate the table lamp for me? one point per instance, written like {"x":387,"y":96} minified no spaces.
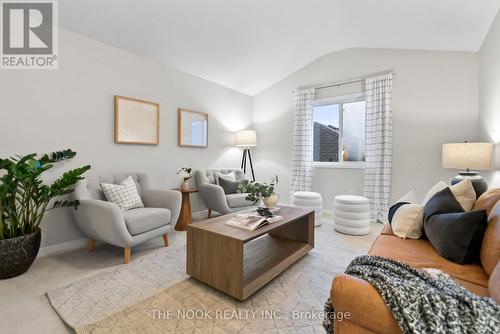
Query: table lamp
{"x":246,"y":139}
{"x":469,"y":157}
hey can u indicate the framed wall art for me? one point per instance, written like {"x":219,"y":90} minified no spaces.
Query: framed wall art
{"x":136,"y":121}
{"x":193,"y":128}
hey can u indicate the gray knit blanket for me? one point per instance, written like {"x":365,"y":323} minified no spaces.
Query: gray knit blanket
{"x":423,"y":302}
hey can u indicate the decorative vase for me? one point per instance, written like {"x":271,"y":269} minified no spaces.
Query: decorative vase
{"x":17,"y":254}
{"x":271,"y":201}
{"x":185,"y":185}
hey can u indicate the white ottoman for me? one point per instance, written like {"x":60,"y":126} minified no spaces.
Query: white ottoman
{"x":352,"y":214}
{"x":311,"y":200}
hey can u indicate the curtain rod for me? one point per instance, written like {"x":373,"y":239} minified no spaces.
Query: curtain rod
{"x":346,"y":82}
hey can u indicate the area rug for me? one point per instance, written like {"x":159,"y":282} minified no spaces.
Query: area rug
{"x":154,"y":295}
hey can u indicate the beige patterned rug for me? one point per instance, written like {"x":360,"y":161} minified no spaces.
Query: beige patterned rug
{"x":153,"y":295}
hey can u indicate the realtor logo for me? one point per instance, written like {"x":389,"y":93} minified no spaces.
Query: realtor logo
{"x":29,"y":34}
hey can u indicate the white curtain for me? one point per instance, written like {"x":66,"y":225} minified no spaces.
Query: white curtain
{"x":378,"y":145}
{"x":302,"y":151}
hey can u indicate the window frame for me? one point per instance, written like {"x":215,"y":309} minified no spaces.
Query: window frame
{"x":340,"y":100}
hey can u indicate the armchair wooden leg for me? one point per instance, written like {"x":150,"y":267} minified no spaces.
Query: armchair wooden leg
{"x":127,"y":255}
{"x":209,"y":212}
{"x":165,"y":239}
{"x":91,"y":245}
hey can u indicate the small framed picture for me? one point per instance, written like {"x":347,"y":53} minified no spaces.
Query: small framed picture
{"x":193,"y":128}
{"x":136,"y":121}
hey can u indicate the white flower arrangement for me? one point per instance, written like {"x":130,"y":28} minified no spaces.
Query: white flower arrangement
{"x":184,"y":173}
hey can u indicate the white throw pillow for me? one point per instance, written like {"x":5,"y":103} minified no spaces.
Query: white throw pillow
{"x":464,"y":193}
{"x":229,"y":176}
{"x":409,"y":198}
{"x":408,"y":221}
{"x":435,"y":189}
{"x":125,"y":194}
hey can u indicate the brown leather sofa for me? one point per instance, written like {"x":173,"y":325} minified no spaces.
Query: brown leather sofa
{"x":367,"y":310}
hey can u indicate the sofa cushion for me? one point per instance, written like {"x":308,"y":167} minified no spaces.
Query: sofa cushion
{"x":488,"y":200}
{"x":143,"y":220}
{"x":237,"y":200}
{"x":455,"y":234}
{"x":420,"y":253}
{"x":490,"y":249}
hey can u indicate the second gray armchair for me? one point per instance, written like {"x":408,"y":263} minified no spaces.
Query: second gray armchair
{"x":104,"y":221}
{"x":213,"y":195}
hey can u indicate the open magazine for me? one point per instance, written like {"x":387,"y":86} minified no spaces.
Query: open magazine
{"x":251,"y":221}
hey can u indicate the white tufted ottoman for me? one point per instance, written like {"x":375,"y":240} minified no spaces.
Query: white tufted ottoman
{"x":352,"y":214}
{"x":312,"y":200}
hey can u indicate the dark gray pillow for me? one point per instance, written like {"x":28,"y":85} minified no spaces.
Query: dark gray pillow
{"x":229,"y":187}
{"x":456,"y":235}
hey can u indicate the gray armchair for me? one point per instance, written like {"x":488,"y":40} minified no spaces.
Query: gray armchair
{"x":213,"y":195}
{"x":104,"y":221}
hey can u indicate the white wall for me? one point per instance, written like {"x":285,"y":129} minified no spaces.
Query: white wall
{"x":435,"y":100}
{"x":489,"y":96}
{"x":42,"y":111}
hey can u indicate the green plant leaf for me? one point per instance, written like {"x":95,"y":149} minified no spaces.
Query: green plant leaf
{"x":23,"y":195}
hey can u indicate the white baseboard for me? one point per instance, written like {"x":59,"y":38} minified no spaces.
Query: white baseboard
{"x":62,"y":247}
{"x":200,"y":214}
{"x":82,"y":243}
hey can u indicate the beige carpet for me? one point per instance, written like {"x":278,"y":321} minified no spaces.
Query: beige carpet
{"x":153,"y":295}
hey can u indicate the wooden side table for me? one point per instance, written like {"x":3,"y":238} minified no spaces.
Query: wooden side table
{"x":185,"y":216}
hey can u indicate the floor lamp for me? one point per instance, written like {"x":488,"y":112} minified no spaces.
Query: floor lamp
{"x":246,"y":139}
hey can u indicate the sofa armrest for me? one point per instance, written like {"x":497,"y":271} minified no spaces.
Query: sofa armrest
{"x":102,"y":221}
{"x":214,"y":198}
{"x":163,"y":198}
{"x":365,"y":306}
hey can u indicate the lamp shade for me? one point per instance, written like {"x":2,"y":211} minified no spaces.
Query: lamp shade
{"x":246,"y":138}
{"x":476,"y":156}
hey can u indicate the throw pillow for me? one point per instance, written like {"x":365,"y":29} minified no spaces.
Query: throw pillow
{"x":463,"y":192}
{"x":229,"y":176}
{"x":229,"y":187}
{"x":406,"y":217}
{"x":125,"y":194}
{"x":434,"y":189}
{"x":456,"y":235}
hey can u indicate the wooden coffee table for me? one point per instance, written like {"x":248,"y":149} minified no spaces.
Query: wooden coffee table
{"x":239,"y":262}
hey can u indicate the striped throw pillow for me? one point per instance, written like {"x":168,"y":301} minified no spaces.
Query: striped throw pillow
{"x":125,"y":194}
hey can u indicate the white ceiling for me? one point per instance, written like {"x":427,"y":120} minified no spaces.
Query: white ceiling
{"x":249,"y":45}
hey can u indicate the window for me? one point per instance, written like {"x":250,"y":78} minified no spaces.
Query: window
{"x":339,"y":132}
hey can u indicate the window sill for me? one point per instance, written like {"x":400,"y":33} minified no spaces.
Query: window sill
{"x":340,"y":165}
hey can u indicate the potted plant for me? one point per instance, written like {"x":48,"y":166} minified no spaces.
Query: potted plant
{"x":24,"y":199}
{"x":184,"y":174}
{"x":260,"y":191}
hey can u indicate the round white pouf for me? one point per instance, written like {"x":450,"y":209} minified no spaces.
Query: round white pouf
{"x":312,"y":200}
{"x":352,"y":214}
